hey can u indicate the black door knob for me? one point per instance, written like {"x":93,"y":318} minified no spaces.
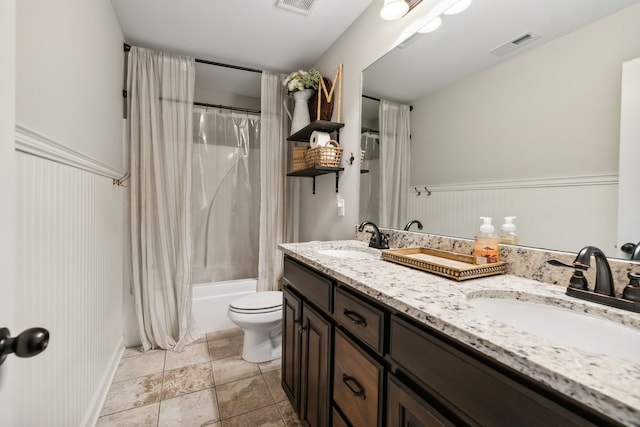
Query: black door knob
{"x":29,"y":343}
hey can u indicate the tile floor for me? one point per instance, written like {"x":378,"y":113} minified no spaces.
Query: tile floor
{"x":209,"y":384}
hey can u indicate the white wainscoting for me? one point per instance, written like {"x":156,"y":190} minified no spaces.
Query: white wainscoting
{"x":69,"y":280}
{"x":575,"y":211}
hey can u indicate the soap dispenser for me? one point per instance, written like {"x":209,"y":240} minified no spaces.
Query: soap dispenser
{"x":508,"y":231}
{"x":485,"y":248}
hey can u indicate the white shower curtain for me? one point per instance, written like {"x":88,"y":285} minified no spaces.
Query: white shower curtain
{"x":225,"y":195}
{"x":160,"y":94}
{"x":370,"y":181}
{"x":394,"y":163}
{"x":277,"y":212}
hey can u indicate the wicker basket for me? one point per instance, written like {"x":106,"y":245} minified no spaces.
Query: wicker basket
{"x":328,"y":156}
{"x":362,"y":153}
{"x":298,"y":158}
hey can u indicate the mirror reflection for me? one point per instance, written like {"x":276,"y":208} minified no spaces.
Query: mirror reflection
{"x":515,"y":111}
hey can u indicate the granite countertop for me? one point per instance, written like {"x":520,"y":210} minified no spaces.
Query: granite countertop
{"x":606,"y":384}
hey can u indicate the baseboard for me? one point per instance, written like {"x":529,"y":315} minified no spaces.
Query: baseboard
{"x":95,"y":406}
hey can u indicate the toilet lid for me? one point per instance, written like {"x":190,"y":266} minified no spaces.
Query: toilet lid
{"x":258,"y":302}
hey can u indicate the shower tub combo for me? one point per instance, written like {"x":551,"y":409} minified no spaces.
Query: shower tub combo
{"x":210,"y":302}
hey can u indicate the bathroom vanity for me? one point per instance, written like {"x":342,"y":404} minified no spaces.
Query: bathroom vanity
{"x":371,"y":343}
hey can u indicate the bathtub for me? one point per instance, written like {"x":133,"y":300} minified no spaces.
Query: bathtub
{"x":210,"y":302}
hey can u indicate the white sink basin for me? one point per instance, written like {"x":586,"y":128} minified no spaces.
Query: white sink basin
{"x":564,"y":327}
{"x":349,"y":253}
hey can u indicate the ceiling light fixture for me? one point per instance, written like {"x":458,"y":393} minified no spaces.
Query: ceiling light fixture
{"x":433,"y":25}
{"x":458,"y":7}
{"x":394,"y":9}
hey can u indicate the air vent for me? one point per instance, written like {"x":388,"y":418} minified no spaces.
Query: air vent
{"x":302,"y":7}
{"x":514,"y":44}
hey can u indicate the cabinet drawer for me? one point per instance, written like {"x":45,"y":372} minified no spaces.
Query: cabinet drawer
{"x":359,"y":317}
{"x":312,"y":285}
{"x":357,"y":383}
{"x":477,"y":392}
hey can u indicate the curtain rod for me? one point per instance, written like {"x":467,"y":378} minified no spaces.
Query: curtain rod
{"x":225,"y":107}
{"x":378,"y":99}
{"x":370,"y":130}
{"x":127,"y":48}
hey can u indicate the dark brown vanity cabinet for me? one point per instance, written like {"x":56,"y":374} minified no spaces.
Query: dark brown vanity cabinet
{"x":472,"y":389}
{"x":307,"y":343}
{"x":330,"y":377}
{"x":351,"y":361}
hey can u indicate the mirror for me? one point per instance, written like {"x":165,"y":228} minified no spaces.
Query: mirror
{"x":516,"y":112}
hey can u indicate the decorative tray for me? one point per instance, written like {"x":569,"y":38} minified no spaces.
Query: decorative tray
{"x":443,"y":263}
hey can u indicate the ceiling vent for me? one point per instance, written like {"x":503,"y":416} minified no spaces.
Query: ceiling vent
{"x":514,"y":44}
{"x":302,"y":7}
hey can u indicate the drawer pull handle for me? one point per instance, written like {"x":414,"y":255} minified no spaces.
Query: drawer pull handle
{"x":355,"y":317}
{"x":356,"y":389}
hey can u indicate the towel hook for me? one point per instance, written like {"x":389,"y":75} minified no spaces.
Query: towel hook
{"x":427,"y":190}
{"x":416,"y":188}
{"x":120,"y":182}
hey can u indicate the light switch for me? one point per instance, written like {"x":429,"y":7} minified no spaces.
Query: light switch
{"x":340,"y":205}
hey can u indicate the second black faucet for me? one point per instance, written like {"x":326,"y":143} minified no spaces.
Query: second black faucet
{"x":378,"y":240}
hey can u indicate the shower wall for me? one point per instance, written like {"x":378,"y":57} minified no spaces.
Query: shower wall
{"x":225,"y":196}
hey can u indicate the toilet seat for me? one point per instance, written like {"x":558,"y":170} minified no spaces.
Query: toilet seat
{"x":258,"y":303}
{"x":260,"y":317}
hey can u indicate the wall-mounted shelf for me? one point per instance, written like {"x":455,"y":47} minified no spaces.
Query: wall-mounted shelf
{"x":304,"y":134}
{"x":316,"y":171}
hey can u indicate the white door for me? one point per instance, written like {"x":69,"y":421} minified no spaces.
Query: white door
{"x":7,"y":195}
{"x":629,"y":166}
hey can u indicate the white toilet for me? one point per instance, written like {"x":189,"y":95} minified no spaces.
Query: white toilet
{"x":260,"y":315}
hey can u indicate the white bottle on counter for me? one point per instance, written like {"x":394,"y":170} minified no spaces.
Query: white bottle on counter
{"x":508,"y":231}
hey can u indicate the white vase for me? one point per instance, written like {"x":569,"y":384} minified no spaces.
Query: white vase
{"x":300,"y":110}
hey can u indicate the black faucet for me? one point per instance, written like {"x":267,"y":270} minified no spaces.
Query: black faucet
{"x":378,"y":240}
{"x":604,"y":280}
{"x":604,"y":290}
{"x":410,"y":223}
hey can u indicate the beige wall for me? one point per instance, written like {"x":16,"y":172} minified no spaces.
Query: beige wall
{"x":70,"y":75}
{"x":366,"y":40}
{"x":70,"y":221}
{"x":551,"y":112}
